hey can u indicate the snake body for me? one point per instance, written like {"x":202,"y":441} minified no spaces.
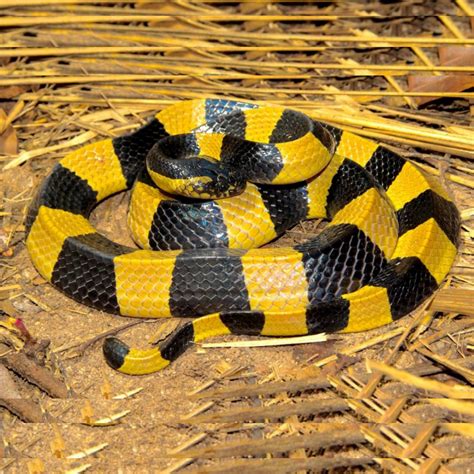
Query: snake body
{"x":391,"y":239}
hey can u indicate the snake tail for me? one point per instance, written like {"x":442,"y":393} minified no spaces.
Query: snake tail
{"x":145,"y":361}
{"x":327,"y":317}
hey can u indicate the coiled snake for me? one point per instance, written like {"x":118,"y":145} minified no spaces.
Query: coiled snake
{"x":390,"y":241}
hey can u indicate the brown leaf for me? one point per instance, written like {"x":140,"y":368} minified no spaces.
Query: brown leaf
{"x":456,"y":56}
{"x":446,"y":83}
{"x":9,"y":92}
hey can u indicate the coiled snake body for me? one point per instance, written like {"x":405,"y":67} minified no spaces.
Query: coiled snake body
{"x":391,"y":239}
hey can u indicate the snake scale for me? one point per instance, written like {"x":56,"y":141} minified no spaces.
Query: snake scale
{"x":390,"y":241}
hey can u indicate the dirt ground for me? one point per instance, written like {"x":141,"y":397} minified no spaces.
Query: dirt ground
{"x":142,"y":428}
{"x":153,"y":425}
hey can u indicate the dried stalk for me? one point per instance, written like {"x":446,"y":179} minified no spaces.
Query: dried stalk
{"x":338,"y":437}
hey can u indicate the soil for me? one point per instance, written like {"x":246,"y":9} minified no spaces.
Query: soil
{"x":151,"y":423}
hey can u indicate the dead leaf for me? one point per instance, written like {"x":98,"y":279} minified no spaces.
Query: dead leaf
{"x":11,"y":91}
{"x":445,"y":83}
{"x":456,"y":56}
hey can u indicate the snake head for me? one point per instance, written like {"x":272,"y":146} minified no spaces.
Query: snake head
{"x":178,"y":166}
{"x":223,"y":181}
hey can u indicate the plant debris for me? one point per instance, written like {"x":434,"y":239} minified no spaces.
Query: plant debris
{"x":76,"y":71}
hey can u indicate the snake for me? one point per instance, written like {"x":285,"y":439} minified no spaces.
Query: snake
{"x":212,"y":182}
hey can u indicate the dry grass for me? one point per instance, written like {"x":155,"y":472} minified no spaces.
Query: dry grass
{"x":75,"y":71}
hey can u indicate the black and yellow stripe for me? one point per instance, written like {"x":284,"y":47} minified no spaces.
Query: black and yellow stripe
{"x":269,"y":145}
{"x":391,"y":239}
{"x":159,"y":221}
